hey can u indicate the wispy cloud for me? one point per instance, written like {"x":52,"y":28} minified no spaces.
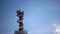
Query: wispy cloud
{"x":51,"y":29}
{"x":56,"y":28}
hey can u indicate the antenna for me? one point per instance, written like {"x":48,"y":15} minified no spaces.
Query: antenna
{"x":20,"y":14}
{"x":21,"y":30}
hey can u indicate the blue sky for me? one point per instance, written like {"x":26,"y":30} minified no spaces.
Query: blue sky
{"x":39,"y":16}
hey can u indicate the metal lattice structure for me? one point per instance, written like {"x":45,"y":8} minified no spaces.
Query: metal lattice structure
{"x":20,"y":14}
{"x":21,"y":30}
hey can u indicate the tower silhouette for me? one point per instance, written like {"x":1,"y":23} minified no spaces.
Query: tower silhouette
{"x":21,"y":30}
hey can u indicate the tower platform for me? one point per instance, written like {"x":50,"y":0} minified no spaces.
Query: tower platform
{"x":21,"y":32}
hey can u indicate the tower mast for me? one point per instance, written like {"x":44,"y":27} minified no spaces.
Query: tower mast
{"x":20,"y":14}
{"x":21,"y":30}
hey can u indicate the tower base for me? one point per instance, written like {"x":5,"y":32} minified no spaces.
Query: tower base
{"x":20,"y":32}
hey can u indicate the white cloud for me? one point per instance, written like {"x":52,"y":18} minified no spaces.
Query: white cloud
{"x":56,"y":29}
{"x":52,"y":29}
